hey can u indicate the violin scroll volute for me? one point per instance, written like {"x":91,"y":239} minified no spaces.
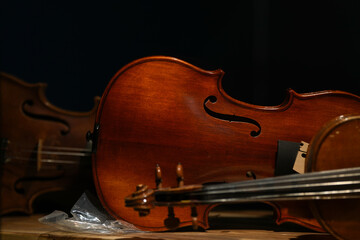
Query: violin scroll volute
{"x":141,"y":200}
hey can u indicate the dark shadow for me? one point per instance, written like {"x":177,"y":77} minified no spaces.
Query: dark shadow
{"x":249,"y":216}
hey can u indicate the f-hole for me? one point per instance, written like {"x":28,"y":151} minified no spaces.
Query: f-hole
{"x":231,"y":118}
{"x":26,"y":108}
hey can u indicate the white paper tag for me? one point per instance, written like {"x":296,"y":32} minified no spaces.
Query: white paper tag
{"x":299,"y":164}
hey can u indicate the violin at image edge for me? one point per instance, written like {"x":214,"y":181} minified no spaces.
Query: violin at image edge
{"x":43,"y":148}
{"x":162,"y":110}
{"x":331,"y":184}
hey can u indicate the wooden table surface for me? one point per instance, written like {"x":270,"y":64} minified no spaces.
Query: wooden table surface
{"x":28,"y":227}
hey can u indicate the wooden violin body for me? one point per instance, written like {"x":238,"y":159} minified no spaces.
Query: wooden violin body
{"x":337,"y":146}
{"x":331,"y":186}
{"x":43,"y":148}
{"x":161,"y":110}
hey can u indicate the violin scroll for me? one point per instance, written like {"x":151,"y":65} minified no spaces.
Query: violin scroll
{"x":144,"y":199}
{"x":141,"y":200}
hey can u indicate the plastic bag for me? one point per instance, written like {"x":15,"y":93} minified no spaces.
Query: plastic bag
{"x":88,"y":217}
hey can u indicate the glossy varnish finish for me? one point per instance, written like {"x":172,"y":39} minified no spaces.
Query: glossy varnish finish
{"x":337,"y":146}
{"x":43,"y":147}
{"x":161,"y":110}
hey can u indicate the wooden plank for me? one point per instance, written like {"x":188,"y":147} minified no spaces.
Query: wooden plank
{"x":28,"y":228}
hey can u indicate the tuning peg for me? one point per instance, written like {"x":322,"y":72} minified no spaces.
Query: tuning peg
{"x":180,"y":175}
{"x":171,"y":222}
{"x":194,"y":218}
{"x":250,"y":174}
{"x":141,"y":200}
{"x":158,"y":177}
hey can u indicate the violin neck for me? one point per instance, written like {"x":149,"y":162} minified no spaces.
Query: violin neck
{"x":341,"y":183}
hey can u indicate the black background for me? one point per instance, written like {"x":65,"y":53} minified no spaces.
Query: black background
{"x":264,"y":47}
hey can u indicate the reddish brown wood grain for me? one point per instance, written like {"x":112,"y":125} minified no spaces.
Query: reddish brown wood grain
{"x":26,"y":119}
{"x":335,"y":146}
{"x":154,"y":112}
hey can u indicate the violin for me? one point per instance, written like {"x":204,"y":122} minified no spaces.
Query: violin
{"x":332,"y":184}
{"x":162,"y":110}
{"x":43,"y":148}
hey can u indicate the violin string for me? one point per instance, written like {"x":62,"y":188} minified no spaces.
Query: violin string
{"x":77,"y":154}
{"x":73,"y":149}
{"x":292,"y":187}
{"x":324,"y":177}
{"x":308,"y":195}
{"x":68,"y":149}
{"x":334,"y":183}
{"x":308,"y":186}
{"x":47,"y":160}
{"x":61,"y":151}
{"x":268,"y":196}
